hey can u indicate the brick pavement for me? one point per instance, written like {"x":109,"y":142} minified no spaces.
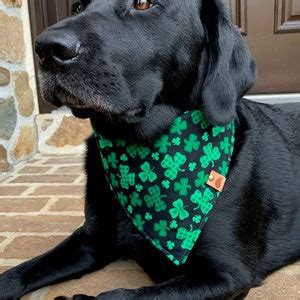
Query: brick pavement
{"x":42,"y":202}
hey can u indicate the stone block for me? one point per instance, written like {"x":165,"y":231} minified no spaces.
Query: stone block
{"x":77,"y":169}
{"x":26,"y":247}
{"x":71,"y":132}
{"x":4,"y":77}
{"x":40,"y":223}
{"x":71,"y":160}
{"x":26,"y":143}
{"x":56,"y":190}
{"x":8,"y":117}
{"x":12,"y":190}
{"x":49,"y":178}
{"x":23,"y":93}
{"x":34,"y":169}
{"x":4,"y":165}
{"x":13,"y":204}
{"x":13,"y":3}
{"x":12,"y":46}
{"x":68,"y":204}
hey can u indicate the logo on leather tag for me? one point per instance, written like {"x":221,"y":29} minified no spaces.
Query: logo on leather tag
{"x":216,"y":181}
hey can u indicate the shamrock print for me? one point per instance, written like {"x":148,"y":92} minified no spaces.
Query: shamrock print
{"x":173,"y":259}
{"x":197,"y":219}
{"x":162,"y":144}
{"x":203,"y":200}
{"x":166,"y":184}
{"x":122,"y":198}
{"x":182,"y":187}
{"x":127,"y":178}
{"x":177,"y":141}
{"x":173,"y":165}
{"x":138,"y":150}
{"x":124,"y":158}
{"x":188,"y":237}
{"x":198,"y":118}
{"x":139,"y":222}
{"x":155,"y":156}
{"x":163,"y":186}
{"x":224,"y":168}
{"x":139,"y":187}
{"x":211,"y":154}
{"x":173,"y":224}
{"x":191,"y":144}
{"x":225,"y":145}
{"x":154,"y":199}
{"x":147,"y":174}
{"x":201,"y":180}
{"x":205,"y":136}
{"x":105,"y":143}
{"x":179,"y":210}
{"x":130,"y":209}
{"x":135,"y":200}
{"x":148,"y":216}
{"x":162,"y":228}
{"x":105,"y":164}
{"x":112,"y":160}
{"x":179,"y":126}
{"x":218,"y":130}
{"x":192,"y":166}
{"x":143,"y":152}
{"x":170,"y":245}
{"x":114,"y":181}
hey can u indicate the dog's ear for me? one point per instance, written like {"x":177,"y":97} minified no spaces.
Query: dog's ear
{"x":231,"y":70}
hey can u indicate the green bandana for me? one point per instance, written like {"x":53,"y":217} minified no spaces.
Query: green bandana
{"x":165,"y":187}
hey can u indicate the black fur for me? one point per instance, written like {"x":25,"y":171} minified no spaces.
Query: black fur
{"x":135,"y":73}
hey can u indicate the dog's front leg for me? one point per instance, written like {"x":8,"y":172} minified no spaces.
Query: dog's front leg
{"x":183,"y":288}
{"x":73,"y":258}
{"x":178,"y":289}
{"x":81,"y":253}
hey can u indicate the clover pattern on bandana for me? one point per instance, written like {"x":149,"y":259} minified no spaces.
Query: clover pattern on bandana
{"x":162,"y":186}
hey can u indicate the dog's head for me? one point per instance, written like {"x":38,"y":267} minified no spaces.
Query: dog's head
{"x":121,"y":58}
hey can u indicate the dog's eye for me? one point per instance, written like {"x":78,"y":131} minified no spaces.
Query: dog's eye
{"x":77,"y":8}
{"x":143,"y":4}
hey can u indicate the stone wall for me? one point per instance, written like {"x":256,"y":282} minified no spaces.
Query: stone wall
{"x":61,"y":133}
{"x":23,"y":131}
{"x":18,"y":103}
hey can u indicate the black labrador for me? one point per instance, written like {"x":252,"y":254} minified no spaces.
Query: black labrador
{"x":132,"y":66}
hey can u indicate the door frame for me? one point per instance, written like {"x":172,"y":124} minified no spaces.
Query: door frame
{"x":44,"y":13}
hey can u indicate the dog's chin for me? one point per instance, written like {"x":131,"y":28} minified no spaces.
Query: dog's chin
{"x":82,"y":110}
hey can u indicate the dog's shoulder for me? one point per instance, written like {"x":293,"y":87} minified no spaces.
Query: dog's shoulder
{"x":278,"y":120}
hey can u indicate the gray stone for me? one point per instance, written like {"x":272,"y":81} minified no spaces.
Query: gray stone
{"x":8,"y":118}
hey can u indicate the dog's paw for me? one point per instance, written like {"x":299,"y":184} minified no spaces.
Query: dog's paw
{"x":119,"y":294}
{"x":76,"y":297}
{"x":10,"y":288}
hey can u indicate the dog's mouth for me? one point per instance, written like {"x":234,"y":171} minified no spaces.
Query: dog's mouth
{"x":88,"y":102}
{"x":130,"y":115}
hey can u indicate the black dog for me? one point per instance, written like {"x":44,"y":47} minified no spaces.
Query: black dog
{"x":133,"y":66}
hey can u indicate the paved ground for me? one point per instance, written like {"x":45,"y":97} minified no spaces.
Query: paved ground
{"x":42,"y":203}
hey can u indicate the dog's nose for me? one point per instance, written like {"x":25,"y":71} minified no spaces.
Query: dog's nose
{"x":56,"y":48}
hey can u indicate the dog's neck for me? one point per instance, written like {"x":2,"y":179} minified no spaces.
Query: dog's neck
{"x":149,"y":127}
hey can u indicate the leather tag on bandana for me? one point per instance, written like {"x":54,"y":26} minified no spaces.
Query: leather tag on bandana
{"x":216,"y":181}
